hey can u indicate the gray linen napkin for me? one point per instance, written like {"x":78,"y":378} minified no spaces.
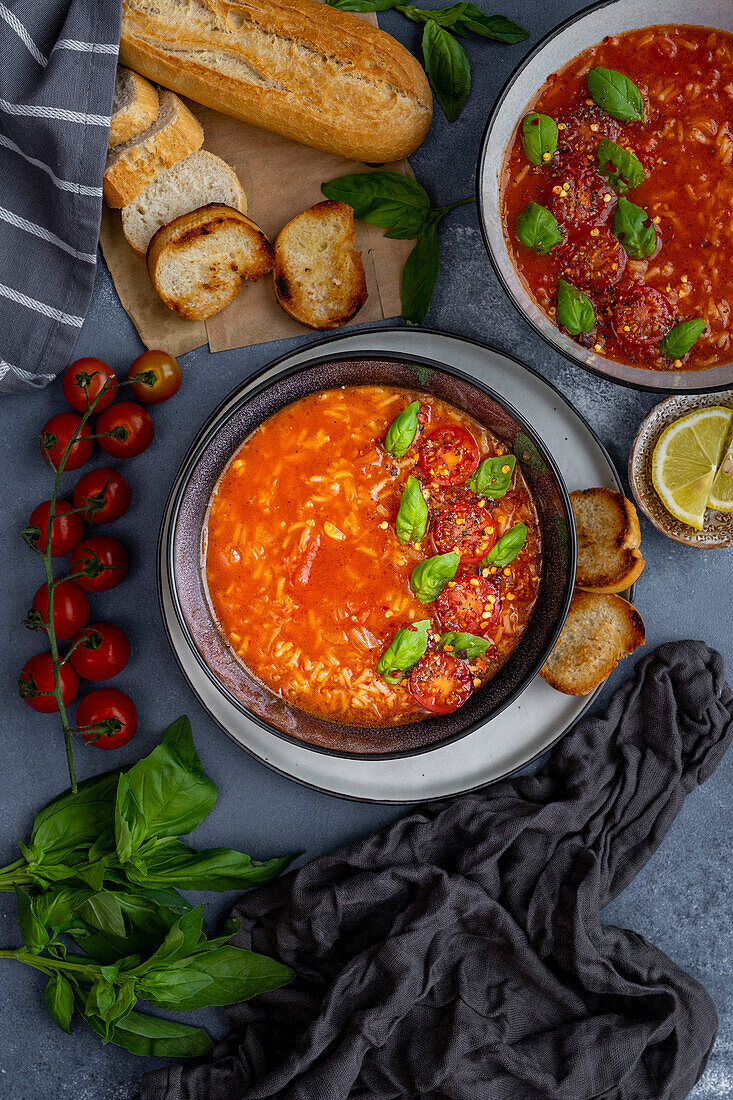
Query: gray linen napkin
{"x":57,"y":70}
{"x":459,"y":953}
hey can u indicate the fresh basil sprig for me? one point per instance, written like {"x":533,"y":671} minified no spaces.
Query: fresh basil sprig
{"x":680,"y":339}
{"x":620,"y":166}
{"x":507,"y":547}
{"x":400,"y":205}
{"x":465,"y":645}
{"x":402,"y":430}
{"x":616,"y":94}
{"x":430,"y":576}
{"x":448,"y":68}
{"x":412,"y":518}
{"x":574,"y":309}
{"x":493,"y":477}
{"x":538,"y":229}
{"x":404,"y":651}
{"x":539,"y":137}
{"x":634,"y":229}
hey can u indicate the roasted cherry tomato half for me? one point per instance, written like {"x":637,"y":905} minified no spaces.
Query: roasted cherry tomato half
{"x":466,"y":528}
{"x":162,"y":377}
{"x":102,"y":651}
{"x":110,"y":707}
{"x":470,"y":603}
{"x":108,"y":563}
{"x":67,"y":532}
{"x":441,"y":682}
{"x":448,"y":455}
{"x":579,"y":196}
{"x":133,"y":428}
{"x":37,"y":676}
{"x":576,"y":139}
{"x":103,"y":495}
{"x":55,"y":436}
{"x":642,"y":317}
{"x":71,"y":608}
{"x":596,"y":260}
{"x":85,"y":379}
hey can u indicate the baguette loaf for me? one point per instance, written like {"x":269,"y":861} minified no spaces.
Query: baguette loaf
{"x":303,"y":69}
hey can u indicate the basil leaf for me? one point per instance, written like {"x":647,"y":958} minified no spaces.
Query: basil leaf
{"x":404,"y":651}
{"x":620,"y":166}
{"x":146,"y":923}
{"x":634,"y":229}
{"x":539,"y":137}
{"x":419,"y":276}
{"x":493,"y":477}
{"x":430,"y":576}
{"x":497,"y":27}
{"x":448,"y":69}
{"x":386,"y":199}
{"x":507,"y":547}
{"x":616,"y":94}
{"x":470,"y":645}
{"x":445,"y":17}
{"x":152,"y":1035}
{"x":173,"y":863}
{"x":402,"y":430}
{"x":74,"y":821}
{"x":35,"y":936}
{"x":181,"y":941}
{"x":60,"y":1001}
{"x":412,"y":517}
{"x":574,"y":310}
{"x":537,"y":228}
{"x":224,"y":976}
{"x":680,"y":339}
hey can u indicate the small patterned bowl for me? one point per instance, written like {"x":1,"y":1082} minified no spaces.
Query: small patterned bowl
{"x":718,"y":529}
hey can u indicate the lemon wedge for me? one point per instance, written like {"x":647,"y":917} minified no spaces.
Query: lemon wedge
{"x":721,"y":494}
{"x":685,"y":460}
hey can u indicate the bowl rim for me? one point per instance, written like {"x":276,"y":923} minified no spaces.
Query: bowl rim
{"x":553,"y":33}
{"x":255,"y":385}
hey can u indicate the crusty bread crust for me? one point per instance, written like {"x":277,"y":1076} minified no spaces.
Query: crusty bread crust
{"x":301,"y":68}
{"x":134,"y":117}
{"x":607,"y":525}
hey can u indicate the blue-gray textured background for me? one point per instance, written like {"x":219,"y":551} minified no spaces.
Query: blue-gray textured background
{"x":681,"y":901}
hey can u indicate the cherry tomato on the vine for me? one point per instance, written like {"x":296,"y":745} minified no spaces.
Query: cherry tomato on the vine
{"x":103,"y":651}
{"x":103,"y":495}
{"x":85,"y":379}
{"x":133,"y":428}
{"x":71,"y":609}
{"x":37,"y":676}
{"x":55,"y":436}
{"x":107,"y":705}
{"x":106,"y":561}
{"x":163,"y":377}
{"x":67,"y":532}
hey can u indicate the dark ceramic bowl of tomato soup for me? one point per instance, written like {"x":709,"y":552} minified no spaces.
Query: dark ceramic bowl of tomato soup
{"x":370,"y":556}
{"x":605,"y":187}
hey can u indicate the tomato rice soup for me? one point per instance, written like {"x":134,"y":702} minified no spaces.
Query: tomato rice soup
{"x":629,"y":163}
{"x":353,"y":569}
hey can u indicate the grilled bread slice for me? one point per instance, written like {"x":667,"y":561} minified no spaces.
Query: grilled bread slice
{"x":134,"y":108}
{"x":319,"y":275}
{"x":608,"y":540}
{"x":198,"y":262}
{"x":134,"y":164}
{"x":198,"y":180}
{"x":600,"y":629}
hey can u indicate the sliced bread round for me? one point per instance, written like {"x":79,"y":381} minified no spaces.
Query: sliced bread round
{"x":609,"y":535}
{"x":134,"y":108}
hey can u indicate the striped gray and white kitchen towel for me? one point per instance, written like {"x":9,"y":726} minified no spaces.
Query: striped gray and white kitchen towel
{"x":57,"y":70}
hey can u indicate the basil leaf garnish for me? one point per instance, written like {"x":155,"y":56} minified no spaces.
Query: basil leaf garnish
{"x":387,"y":199}
{"x":447,"y":67}
{"x":446,"y":17}
{"x":537,"y":228}
{"x":620,"y":166}
{"x":468,"y":645}
{"x":412,"y":518}
{"x":497,"y":27}
{"x":430,"y":576}
{"x":574,"y":310}
{"x":493,"y":477}
{"x":616,"y":94}
{"x":682,"y":337}
{"x":402,"y":430}
{"x":404,"y":651}
{"x":419,"y":276}
{"x":507,"y":547}
{"x":634,"y":229}
{"x":539,"y":137}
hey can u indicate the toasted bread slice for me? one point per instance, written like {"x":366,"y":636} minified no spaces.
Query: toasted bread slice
{"x":600,"y":629}
{"x":608,"y":540}
{"x":134,"y":108}
{"x":135,"y":164}
{"x":198,"y":262}
{"x":319,"y":275}
{"x":198,"y":180}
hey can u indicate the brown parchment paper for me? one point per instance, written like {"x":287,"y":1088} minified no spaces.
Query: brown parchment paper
{"x":281,"y":178}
